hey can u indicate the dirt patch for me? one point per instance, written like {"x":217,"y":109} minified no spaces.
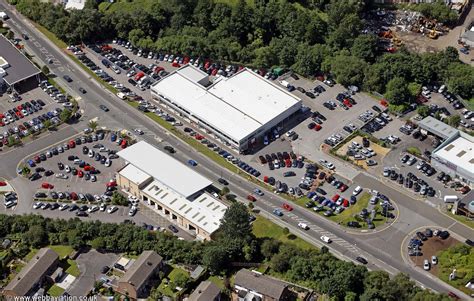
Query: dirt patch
{"x":431,"y":247}
{"x":380,"y":152}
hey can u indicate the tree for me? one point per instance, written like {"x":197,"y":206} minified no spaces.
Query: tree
{"x":214,"y":258}
{"x":365,"y":47}
{"x":10,"y":35}
{"x":36,"y":236}
{"x":98,"y":243}
{"x":414,"y":89}
{"x":459,"y":79}
{"x":397,"y":91}
{"x":423,"y":111}
{"x":454,"y":120}
{"x":47,"y":124}
{"x":225,"y":190}
{"x":269,"y":248}
{"x":93,"y":125}
{"x":65,"y":115}
{"x":348,"y":70}
{"x":119,"y":199}
{"x":280,"y":263}
{"x":235,"y":223}
{"x":45,"y":70}
{"x":181,"y":280}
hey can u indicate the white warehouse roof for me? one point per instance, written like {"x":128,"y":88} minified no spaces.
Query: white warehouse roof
{"x":205,"y":211}
{"x":458,"y":152}
{"x":237,"y":106}
{"x":165,"y":169}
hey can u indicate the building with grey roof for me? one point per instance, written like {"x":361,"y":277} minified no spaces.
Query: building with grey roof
{"x":206,"y":291}
{"x":437,"y":127}
{"x":33,"y":274}
{"x":134,"y":283}
{"x":250,"y":285}
{"x":15,"y":67}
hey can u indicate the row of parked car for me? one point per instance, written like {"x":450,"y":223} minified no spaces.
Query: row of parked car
{"x":52,"y":91}
{"x":21,"y":111}
{"x":410,"y":181}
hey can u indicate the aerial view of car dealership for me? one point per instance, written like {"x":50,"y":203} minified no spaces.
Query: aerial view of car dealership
{"x":244,"y":150}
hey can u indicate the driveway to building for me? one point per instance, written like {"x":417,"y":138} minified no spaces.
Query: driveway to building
{"x":90,"y":264}
{"x":345,"y":245}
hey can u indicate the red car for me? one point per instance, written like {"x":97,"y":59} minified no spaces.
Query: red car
{"x":88,"y":168}
{"x":80,"y":173}
{"x":37,"y":159}
{"x":176,"y":65}
{"x":287,"y":207}
{"x":111,"y":184}
{"x":251,"y":198}
{"x":199,"y":137}
{"x":74,"y":196}
{"x":347,"y":103}
{"x":335,"y":197}
{"x":317,"y":127}
{"x":46,"y":185}
{"x":3,"y":183}
{"x":123,"y":144}
{"x":207,"y":64}
{"x":214,"y":71}
{"x":288,"y":163}
{"x":345,"y":203}
{"x":343,"y":188}
{"x":72,"y":144}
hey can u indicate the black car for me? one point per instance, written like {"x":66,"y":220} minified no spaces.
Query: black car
{"x":48,"y":173}
{"x":310,"y":95}
{"x":54,"y":206}
{"x":104,"y":269}
{"x":223,"y":181}
{"x":469,"y":242}
{"x":361,"y":260}
{"x":353,"y":224}
{"x":34,"y":176}
{"x":173,"y":229}
{"x":67,"y":78}
{"x":81,"y":214}
{"x":443,"y":234}
{"x":376,"y":109}
{"x":169,"y":149}
{"x":82,"y":90}
{"x":321,"y":191}
{"x":40,"y":195}
{"x":421,"y":236}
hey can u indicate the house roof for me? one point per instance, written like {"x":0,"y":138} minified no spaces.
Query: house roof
{"x":437,"y":127}
{"x":32,"y":271}
{"x":142,"y":269}
{"x":20,"y":67}
{"x":260,"y":283}
{"x":206,"y":291}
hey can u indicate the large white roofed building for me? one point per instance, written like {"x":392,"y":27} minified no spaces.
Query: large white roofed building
{"x":171,"y":189}
{"x":240,"y":109}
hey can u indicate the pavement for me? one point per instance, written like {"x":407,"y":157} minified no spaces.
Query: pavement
{"x":381,"y":249}
{"x":90,"y":264}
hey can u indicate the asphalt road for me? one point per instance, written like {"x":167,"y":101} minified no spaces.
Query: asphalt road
{"x":345,"y":245}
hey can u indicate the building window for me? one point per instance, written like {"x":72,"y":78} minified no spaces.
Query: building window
{"x":145,"y":198}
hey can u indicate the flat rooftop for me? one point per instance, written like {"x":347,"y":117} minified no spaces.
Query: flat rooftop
{"x":458,"y":152}
{"x":437,"y":127}
{"x":134,"y":174}
{"x":236,"y":106}
{"x":205,"y":211}
{"x":164,"y":168}
{"x":20,"y":67}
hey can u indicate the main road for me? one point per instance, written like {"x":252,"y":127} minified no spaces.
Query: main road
{"x":382,"y":249}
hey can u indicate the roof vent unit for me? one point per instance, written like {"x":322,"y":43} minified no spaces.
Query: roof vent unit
{"x":4,"y":63}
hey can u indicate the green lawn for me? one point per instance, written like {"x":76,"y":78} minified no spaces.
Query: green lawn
{"x":55,"y":291}
{"x":51,"y":36}
{"x":30,"y":255}
{"x":263,"y":227}
{"x":461,"y":258}
{"x":72,"y":268}
{"x":166,"y":288}
{"x":217,"y":281}
{"x":62,"y":251}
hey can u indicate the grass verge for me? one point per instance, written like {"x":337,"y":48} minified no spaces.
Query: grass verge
{"x":167,"y":289}
{"x":462,"y":219}
{"x":51,"y":36}
{"x":63,"y":251}
{"x":263,"y":227}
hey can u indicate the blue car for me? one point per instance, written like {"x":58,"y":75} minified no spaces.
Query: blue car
{"x":31,"y":163}
{"x":277,"y":212}
{"x":113,"y":137}
{"x":192,"y":162}
{"x":311,"y":194}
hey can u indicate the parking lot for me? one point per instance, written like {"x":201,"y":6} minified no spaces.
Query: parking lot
{"x":23,"y":114}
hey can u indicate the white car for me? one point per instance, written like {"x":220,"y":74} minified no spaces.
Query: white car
{"x":91,"y":154}
{"x":327,"y":164}
{"x":63,"y":207}
{"x":303,"y":226}
{"x":132,"y":211}
{"x":37,"y":205}
{"x":434,"y":260}
{"x":426,"y":265}
{"x":357,"y":190}
{"x":102,"y":207}
{"x":92,"y":209}
{"x":67,"y":169}
{"x":326,"y":239}
{"x":138,"y":131}
{"x":108,"y":162}
{"x":112,"y":209}
{"x":290,"y":133}
{"x":93,"y":178}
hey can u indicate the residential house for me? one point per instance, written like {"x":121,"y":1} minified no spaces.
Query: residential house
{"x":254,"y":286}
{"x":206,"y":291}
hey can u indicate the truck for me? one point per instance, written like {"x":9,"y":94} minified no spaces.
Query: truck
{"x":3,"y":15}
{"x":450,"y":198}
{"x":284,"y":83}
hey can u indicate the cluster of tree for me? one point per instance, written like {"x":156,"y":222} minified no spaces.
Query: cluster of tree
{"x":308,"y":36}
{"x":235,"y":242}
{"x":438,"y":10}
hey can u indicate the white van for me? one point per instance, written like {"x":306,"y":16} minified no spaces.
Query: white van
{"x":3,"y":15}
{"x":284,"y":83}
{"x":450,"y":198}
{"x":441,"y":89}
{"x":357,"y":190}
{"x":121,"y":95}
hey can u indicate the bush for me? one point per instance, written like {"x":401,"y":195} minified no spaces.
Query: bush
{"x":414,"y":151}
